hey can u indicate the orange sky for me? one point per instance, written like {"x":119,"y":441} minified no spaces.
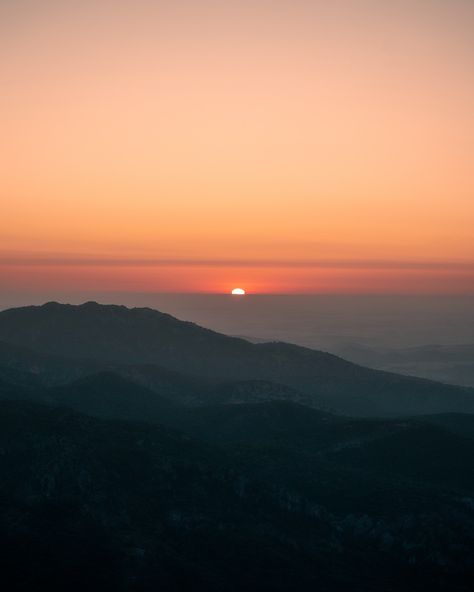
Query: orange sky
{"x":284,"y":145}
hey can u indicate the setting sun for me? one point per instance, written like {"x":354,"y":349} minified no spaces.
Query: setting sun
{"x":238,"y":292}
{"x":304,"y":149}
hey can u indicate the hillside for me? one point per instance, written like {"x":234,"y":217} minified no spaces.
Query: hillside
{"x":297,"y":501}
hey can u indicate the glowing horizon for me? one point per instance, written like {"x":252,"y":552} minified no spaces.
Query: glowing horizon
{"x":286,"y":146}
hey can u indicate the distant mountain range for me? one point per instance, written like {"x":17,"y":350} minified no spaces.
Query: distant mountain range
{"x":148,"y":346}
{"x":446,"y":363}
{"x":139,"y":452}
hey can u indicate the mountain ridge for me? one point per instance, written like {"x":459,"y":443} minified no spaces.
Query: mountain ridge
{"x":117,"y":335}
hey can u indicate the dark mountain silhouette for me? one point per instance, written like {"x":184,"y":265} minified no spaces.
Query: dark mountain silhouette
{"x":270,"y":496}
{"x":46,"y":377}
{"x":262,"y":420}
{"x":138,"y":452}
{"x":459,"y":423}
{"x":23,"y":366}
{"x":108,"y":395}
{"x":144,"y":338}
{"x":256,"y":391}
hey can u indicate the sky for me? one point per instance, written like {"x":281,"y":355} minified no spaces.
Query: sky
{"x":281,"y":146}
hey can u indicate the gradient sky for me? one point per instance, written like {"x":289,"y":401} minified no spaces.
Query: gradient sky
{"x":281,"y":146}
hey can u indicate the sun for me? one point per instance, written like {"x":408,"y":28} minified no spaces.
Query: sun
{"x":238,"y":292}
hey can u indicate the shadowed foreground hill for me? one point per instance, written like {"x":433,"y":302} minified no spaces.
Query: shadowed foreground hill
{"x":297,"y":501}
{"x":115,"y":334}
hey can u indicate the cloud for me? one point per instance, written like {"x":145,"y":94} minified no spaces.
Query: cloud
{"x":375,"y":264}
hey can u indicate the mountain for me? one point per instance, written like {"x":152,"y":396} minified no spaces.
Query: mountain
{"x":269,"y":497}
{"x":452,"y":364}
{"x":22,"y":366}
{"x":256,"y":391}
{"x":458,"y":423}
{"x":140,"y":453}
{"x":48,"y":378}
{"x":108,"y":395}
{"x":142,"y":338}
{"x":433,"y":449}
